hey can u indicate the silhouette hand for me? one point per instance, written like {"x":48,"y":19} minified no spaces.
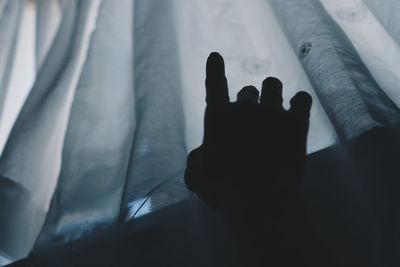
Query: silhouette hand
{"x":253,"y":154}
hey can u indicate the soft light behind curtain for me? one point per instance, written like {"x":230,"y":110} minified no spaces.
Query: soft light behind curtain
{"x":343,"y":83}
{"x":118,"y":99}
{"x":10,"y":18}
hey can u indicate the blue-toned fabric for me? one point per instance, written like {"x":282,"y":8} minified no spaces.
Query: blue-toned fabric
{"x":118,"y":102}
{"x":100,"y":128}
{"x":342,"y":82}
{"x":10,"y":18}
{"x":387,"y":12}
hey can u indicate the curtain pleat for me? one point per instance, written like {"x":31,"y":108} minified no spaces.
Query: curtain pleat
{"x":118,"y":102}
{"x":361,"y":112}
{"x":48,"y":19}
{"x":387,"y":12}
{"x":352,"y":99}
{"x":32,"y":155}
{"x":379,"y":51}
{"x":100,"y":129}
{"x":159,"y":152}
{"x":10,"y":18}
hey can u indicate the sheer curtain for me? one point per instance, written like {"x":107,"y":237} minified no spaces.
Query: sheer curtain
{"x":118,"y":99}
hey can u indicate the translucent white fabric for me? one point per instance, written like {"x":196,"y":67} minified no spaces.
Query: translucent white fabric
{"x":46,"y":111}
{"x":10,"y":18}
{"x":118,"y":99}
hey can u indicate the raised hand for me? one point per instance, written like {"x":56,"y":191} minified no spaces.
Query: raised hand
{"x":253,"y":151}
{"x":250,"y":167}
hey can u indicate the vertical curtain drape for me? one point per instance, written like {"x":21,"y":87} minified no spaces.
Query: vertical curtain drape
{"x":158,"y":153}
{"x":48,"y":19}
{"x":36,"y":140}
{"x":355,"y":104}
{"x":10,"y":18}
{"x":118,"y":102}
{"x":100,"y":126}
{"x":341,"y":80}
{"x":387,"y":13}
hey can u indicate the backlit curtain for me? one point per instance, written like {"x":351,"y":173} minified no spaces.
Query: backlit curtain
{"x":118,"y":100}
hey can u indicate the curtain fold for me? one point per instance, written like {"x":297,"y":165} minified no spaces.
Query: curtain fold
{"x":343,"y":83}
{"x":48,"y":19}
{"x":32,"y":155}
{"x":100,"y":128}
{"x":361,"y":113}
{"x":369,"y":38}
{"x":10,"y":18}
{"x":159,"y":150}
{"x":118,"y":102}
{"x":387,"y":13}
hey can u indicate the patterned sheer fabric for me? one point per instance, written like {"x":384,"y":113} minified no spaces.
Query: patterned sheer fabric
{"x":341,"y":80}
{"x":118,"y":98}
